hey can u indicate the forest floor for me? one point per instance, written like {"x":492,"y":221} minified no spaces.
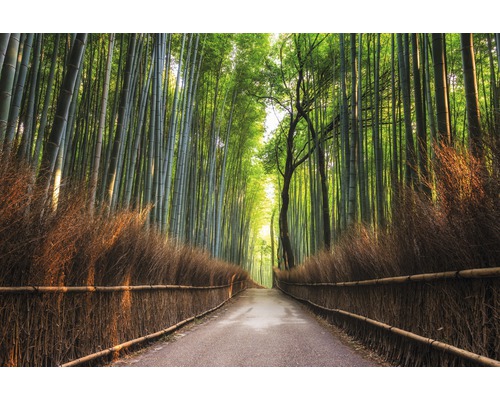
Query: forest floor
{"x":259,"y":328}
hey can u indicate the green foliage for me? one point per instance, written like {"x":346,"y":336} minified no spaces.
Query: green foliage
{"x":317,"y":58}
{"x":233,"y":78}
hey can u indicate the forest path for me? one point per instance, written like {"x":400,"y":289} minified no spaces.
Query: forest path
{"x":259,"y":328}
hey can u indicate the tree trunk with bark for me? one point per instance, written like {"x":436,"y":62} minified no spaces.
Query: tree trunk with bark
{"x":471,"y":95}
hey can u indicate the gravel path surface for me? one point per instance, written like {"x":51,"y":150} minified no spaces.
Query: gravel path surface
{"x":259,"y":328}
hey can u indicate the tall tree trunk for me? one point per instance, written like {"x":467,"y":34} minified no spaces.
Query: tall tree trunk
{"x":377,"y":143}
{"x":404,"y":74}
{"x":494,"y":88}
{"x":222,"y":187}
{"x":135,"y":153}
{"x":4,"y":43}
{"x":362,"y":176}
{"x":152,"y":145}
{"x":395,"y":154}
{"x":51,"y":149}
{"x":172,"y":135}
{"x":352,"y":208}
{"x":419,"y":117}
{"x":441,"y":89}
{"x":497,"y":110}
{"x":46,"y":104}
{"x":344,"y":136}
{"x":26,"y":139}
{"x":286,"y":244}
{"x":7,"y":83}
{"x":471,"y":95}
{"x":18,"y":94}
{"x":102,"y":122}
{"x":120,"y":127}
{"x":178,"y":200}
{"x":320,"y":153}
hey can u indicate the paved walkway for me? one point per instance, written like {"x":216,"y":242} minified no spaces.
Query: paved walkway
{"x":259,"y":328}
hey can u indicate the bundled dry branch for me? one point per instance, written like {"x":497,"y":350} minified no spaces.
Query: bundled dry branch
{"x":52,"y":328}
{"x":130,"y":343}
{"x":467,"y":355}
{"x":74,"y":284}
{"x":429,"y":243}
{"x":462,"y":314}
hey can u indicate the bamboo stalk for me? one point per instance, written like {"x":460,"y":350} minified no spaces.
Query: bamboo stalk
{"x":125,"y":345}
{"x":466,"y":274}
{"x":482,"y":360}
{"x":85,"y":289}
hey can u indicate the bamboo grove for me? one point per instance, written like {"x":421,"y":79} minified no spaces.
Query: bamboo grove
{"x":173,"y":124}
{"x":363,"y":118}
{"x":155,"y":122}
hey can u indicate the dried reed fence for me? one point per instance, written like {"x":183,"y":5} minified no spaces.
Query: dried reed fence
{"x":52,"y":326}
{"x":404,"y":287}
{"x":434,"y":319}
{"x":74,"y":283}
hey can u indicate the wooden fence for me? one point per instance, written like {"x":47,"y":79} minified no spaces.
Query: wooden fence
{"x":437,"y":319}
{"x":55,"y":326}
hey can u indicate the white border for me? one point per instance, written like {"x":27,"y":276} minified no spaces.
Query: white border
{"x":248,"y":16}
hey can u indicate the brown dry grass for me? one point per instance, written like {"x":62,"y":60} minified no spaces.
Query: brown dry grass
{"x":67,"y":247}
{"x":458,"y":229}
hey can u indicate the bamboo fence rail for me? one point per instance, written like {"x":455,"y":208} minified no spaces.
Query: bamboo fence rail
{"x":459,"y":310}
{"x":51,"y":326}
{"x":142,"y":339}
{"x":466,"y":274}
{"x":85,"y":289}
{"x":481,"y":360}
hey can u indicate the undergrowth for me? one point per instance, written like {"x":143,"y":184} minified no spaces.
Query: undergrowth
{"x":41,"y":245}
{"x":67,"y":246}
{"x":458,"y":228}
